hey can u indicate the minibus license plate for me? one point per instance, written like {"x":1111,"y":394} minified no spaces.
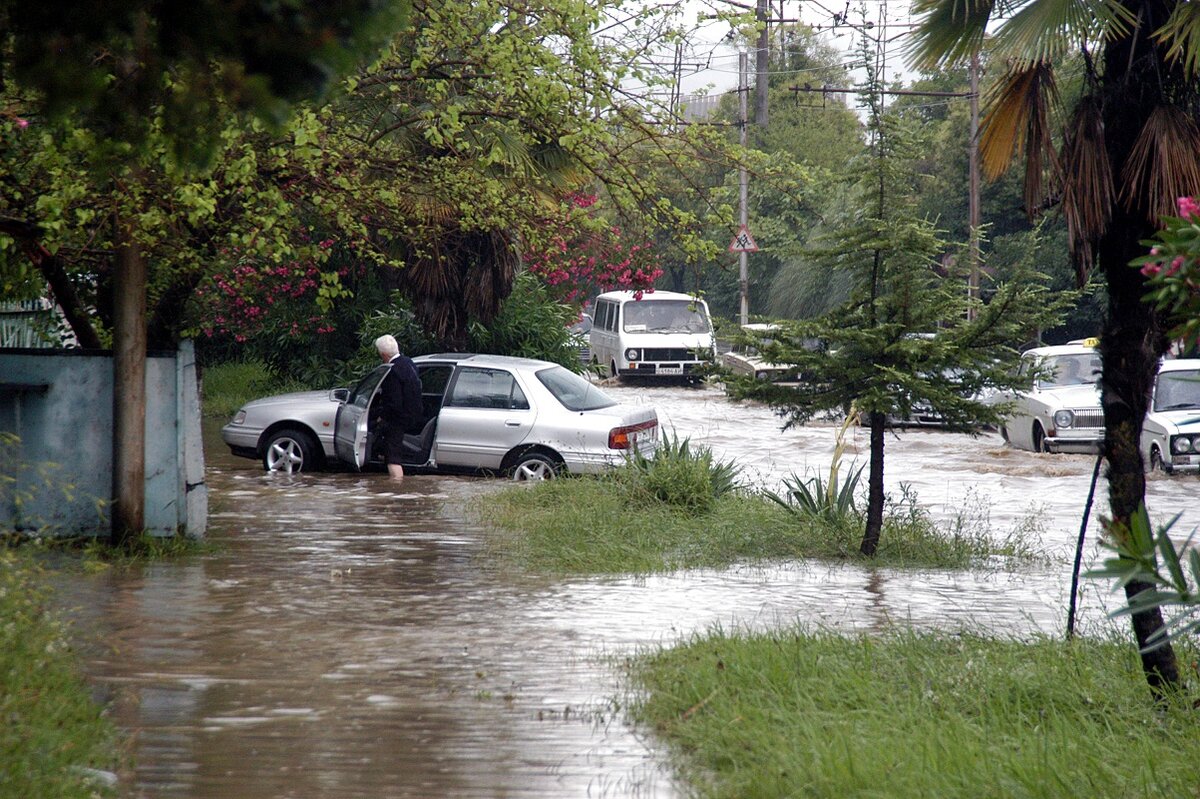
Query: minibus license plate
{"x":670,"y":370}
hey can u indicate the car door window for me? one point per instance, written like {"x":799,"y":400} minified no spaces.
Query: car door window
{"x":434,"y":378}
{"x":361,"y":396}
{"x":486,"y":388}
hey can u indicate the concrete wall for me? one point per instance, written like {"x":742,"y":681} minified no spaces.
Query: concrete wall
{"x":58,"y":405}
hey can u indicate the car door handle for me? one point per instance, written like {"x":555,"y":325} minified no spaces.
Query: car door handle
{"x":512,"y":423}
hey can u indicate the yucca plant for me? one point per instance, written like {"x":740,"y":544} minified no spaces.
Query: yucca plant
{"x":827,"y":499}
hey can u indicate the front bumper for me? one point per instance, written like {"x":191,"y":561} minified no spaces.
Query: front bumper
{"x":241,"y":439}
{"x":662,"y":369}
{"x":1184,"y":463}
{"x":1075,"y":440}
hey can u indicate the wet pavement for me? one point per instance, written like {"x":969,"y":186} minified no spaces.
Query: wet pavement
{"x":350,"y":638}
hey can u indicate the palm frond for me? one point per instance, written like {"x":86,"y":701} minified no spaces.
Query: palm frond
{"x":1018,"y":120}
{"x":1162,"y":164}
{"x":1044,"y":30}
{"x":949,"y":32}
{"x":1182,"y":33}
{"x":1088,"y":189}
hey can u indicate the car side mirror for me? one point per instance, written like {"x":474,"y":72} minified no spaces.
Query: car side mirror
{"x":339,"y":394}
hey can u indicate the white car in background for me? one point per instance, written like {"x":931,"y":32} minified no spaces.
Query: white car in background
{"x":744,"y":359}
{"x":1061,"y":412}
{"x":1171,"y":432}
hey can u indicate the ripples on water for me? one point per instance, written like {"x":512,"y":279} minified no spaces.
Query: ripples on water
{"x":350,"y":639}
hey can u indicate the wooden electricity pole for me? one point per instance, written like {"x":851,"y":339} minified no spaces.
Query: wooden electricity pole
{"x":973,"y":192}
{"x":129,"y":387}
{"x":743,"y":191}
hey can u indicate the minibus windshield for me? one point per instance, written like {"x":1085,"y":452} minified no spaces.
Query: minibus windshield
{"x":665,"y":316}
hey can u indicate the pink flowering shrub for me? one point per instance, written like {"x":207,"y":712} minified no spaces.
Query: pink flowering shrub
{"x":584,"y":257}
{"x":1172,"y":271}
{"x":249,"y":299}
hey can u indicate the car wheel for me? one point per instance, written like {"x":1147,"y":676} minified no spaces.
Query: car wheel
{"x":1157,"y":464}
{"x":1039,"y":438}
{"x":1004,"y":433}
{"x":535,"y":466}
{"x":612,"y":369}
{"x":290,"y":451}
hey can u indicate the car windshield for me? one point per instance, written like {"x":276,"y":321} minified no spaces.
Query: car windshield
{"x":665,"y":316}
{"x":1071,"y":370}
{"x":573,"y":391}
{"x":1177,"y":391}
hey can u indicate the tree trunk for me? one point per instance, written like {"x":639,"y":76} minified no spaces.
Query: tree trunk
{"x":129,"y":389}
{"x":1132,"y":340}
{"x":870,"y":540}
{"x":1131,"y":345}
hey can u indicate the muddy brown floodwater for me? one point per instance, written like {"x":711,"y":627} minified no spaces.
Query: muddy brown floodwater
{"x":351,"y":639}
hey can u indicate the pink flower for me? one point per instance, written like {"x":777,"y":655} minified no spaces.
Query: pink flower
{"x":1189,"y":209}
{"x":22,"y":123}
{"x":1151,"y":269}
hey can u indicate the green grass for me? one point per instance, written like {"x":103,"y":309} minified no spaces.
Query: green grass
{"x":612,"y":525}
{"x":228,"y":386}
{"x":51,"y":729}
{"x":795,"y":714}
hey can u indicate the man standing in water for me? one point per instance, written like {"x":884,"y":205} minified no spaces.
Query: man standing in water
{"x":399,"y":403}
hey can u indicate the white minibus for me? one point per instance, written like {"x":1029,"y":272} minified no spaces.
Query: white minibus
{"x":663,"y":334}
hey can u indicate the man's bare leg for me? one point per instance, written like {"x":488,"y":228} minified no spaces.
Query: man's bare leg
{"x":395,"y":471}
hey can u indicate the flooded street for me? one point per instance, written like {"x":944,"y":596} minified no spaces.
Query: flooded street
{"x":350,"y":638}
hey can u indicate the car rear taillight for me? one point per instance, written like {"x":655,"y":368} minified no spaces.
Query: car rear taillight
{"x":626,"y":436}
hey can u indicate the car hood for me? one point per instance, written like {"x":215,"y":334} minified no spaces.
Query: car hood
{"x":1075,"y":396}
{"x":1187,"y":420}
{"x":293,"y":399}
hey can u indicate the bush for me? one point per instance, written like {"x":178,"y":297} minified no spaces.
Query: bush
{"x":228,"y":386}
{"x":680,"y":475}
{"x":531,"y":324}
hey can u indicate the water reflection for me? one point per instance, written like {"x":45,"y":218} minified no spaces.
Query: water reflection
{"x":351,"y":638}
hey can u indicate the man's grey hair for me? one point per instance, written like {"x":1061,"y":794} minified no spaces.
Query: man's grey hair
{"x":387,"y":346}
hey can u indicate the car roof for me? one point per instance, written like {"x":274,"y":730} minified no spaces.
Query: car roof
{"x":1179,"y":365}
{"x":1060,"y":349}
{"x":484,"y":359}
{"x":657,"y":294}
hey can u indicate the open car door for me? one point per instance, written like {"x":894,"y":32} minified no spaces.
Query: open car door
{"x":351,"y":430}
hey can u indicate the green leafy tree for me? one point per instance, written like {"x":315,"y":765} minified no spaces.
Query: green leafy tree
{"x":1124,"y":151}
{"x":133,"y":72}
{"x":904,"y":336}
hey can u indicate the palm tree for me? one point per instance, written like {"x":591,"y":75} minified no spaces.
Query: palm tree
{"x":1126,"y":149}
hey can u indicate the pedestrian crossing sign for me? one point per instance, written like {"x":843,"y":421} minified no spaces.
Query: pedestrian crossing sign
{"x":743,"y":241}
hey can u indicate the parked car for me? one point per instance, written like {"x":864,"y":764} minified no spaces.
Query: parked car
{"x":743,"y":358}
{"x":1062,"y":410}
{"x":1171,"y":432}
{"x":526,"y":418}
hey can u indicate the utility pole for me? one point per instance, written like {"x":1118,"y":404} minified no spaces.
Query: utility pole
{"x":743,"y":187}
{"x":973,"y":191}
{"x":761,"y":62}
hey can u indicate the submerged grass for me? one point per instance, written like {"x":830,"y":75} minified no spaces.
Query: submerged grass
{"x":54,"y":741}
{"x":612,"y":525}
{"x":795,"y":714}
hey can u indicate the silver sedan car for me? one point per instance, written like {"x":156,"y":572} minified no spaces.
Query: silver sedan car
{"x":525,"y":418}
